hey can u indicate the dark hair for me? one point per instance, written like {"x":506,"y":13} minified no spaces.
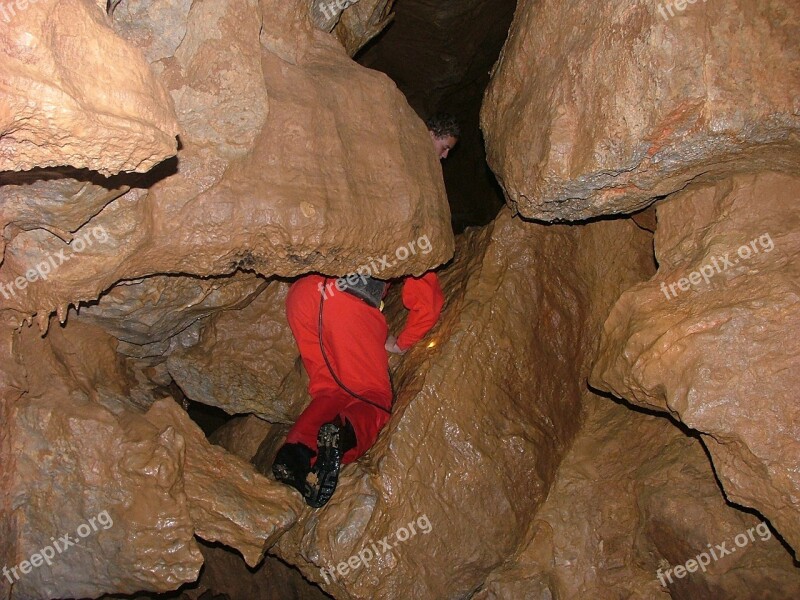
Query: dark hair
{"x":444,"y":124}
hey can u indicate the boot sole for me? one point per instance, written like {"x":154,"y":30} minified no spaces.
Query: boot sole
{"x":326,"y":469}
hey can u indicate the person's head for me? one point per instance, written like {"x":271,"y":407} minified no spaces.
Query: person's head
{"x":444,"y":131}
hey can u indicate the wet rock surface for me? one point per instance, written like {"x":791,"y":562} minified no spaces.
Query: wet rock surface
{"x":253,"y":186}
{"x":634,"y":499}
{"x":73,"y":438}
{"x":598,"y":108}
{"x":67,"y":101}
{"x":69,"y":459}
{"x":228,"y":501}
{"x":462,"y":439}
{"x":711,"y":339}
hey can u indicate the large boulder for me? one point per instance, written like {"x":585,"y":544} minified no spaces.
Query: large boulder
{"x":713,"y":338}
{"x":634,"y":499}
{"x":293,"y":159}
{"x":598,"y":108}
{"x":73,"y":93}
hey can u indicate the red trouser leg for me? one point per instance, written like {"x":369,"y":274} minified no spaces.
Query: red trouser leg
{"x":353,"y":334}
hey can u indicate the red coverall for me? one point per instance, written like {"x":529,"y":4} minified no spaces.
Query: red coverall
{"x":354,"y":334}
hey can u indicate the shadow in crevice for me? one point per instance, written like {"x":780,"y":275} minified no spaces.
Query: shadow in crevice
{"x":161,"y":171}
{"x":696,"y":435}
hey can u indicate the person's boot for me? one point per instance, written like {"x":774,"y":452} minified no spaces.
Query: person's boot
{"x":292,"y":465}
{"x":333,"y":441}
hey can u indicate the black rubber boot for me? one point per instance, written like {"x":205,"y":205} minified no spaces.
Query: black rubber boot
{"x":333,"y":441}
{"x":292,"y":465}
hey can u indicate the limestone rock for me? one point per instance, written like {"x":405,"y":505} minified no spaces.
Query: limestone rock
{"x":712,"y":339}
{"x":597,"y":108}
{"x":74,"y":93}
{"x":156,"y":308}
{"x":463,"y":438}
{"x":82,"y":362}
{"x":634,"y":498}
{"x":353,"y":22}
{"x":76,"y":455}
{"x":72,"y":438}
{"x":293,"y":159}
{"x":229,"y":502}
{"x":245,"y":361}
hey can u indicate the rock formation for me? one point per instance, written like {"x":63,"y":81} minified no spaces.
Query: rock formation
{"x":168,"y":168}
{"x":634,"y":498}
{"x":711,"y":339}
{"x":253,"y":187}
{"x":599,"y":108}
{"x":75,"y":94}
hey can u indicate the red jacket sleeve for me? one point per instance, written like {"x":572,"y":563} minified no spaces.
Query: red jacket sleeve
{"x":424,"y":299}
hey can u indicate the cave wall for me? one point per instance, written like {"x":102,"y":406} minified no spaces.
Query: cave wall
{"x":599,"y":108}
{"x":293,"y":158}
{"x":66,"y":101}
{"x":711,"y":339}
{"x":634,"y":496}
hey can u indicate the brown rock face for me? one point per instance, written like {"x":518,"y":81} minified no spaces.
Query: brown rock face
{"x":229,"y":502}
{"x":597,"y":108}
{"x":712,"y":338}
{"x":67,"y":460}
{"x":635,"y":498}
{"x":74,"y":93}
{"x":274,"y":117}
{"x":471,"y":451}
{"x":70,"y":440}
{"x":258,"y":341}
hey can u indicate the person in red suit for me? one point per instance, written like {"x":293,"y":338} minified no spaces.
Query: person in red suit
{"x":343,"y":341}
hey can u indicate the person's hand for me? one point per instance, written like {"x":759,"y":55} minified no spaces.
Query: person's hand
{"x":391,"y":345}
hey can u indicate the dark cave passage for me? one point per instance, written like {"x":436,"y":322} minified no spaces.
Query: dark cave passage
{"x":440,"y":54}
